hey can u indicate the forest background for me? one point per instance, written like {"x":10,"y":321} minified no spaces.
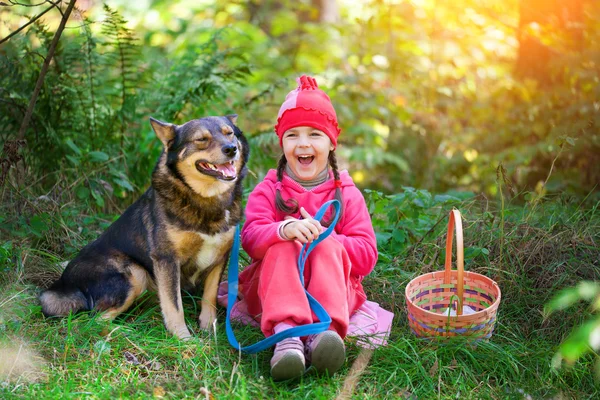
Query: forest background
{"x":491,"y":107}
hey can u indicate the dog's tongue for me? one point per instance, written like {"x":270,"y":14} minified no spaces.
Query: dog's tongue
{"x":226,"y":169}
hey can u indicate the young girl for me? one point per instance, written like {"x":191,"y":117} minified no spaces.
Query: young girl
{"x":279,"y":220}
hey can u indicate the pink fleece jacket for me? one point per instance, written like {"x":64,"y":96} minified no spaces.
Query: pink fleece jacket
{"x":354,"y":230}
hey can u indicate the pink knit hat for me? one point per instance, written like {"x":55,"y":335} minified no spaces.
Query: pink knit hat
{"x":307,"y":105}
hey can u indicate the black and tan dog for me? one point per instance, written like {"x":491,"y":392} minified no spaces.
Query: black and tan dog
{"x":178,"y":234}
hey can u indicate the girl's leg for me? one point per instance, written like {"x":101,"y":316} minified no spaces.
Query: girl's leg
{"x":284,"y":305}
{"x":280,"y":291}
{"x":283,"y":301}
{"x":281,"y":296}
{"x":327,"y":275}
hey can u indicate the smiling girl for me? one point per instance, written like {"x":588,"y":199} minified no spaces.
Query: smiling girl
{"x":279,"y":220}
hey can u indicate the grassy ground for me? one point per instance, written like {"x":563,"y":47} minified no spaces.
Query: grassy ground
{"x":531,"y":255}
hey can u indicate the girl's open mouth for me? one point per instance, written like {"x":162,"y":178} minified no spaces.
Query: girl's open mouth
{"x":305,"y":160}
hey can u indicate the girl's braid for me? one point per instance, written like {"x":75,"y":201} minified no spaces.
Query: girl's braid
{"x":338,"y":187}
{"x":291,"y":205}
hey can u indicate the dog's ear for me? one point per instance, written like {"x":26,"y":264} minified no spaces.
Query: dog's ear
{"x":232,"y":118}
{"x":164,"y":131}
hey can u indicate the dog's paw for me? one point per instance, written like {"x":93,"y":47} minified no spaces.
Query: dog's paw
{"x":183,"y":333}
{"x":208,"y":320}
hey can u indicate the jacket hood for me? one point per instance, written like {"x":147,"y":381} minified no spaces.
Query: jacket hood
{"x":326,"y":186}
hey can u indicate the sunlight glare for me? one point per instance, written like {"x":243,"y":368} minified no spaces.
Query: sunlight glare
{"x":470,"y":155}
{"x":358,"y":176}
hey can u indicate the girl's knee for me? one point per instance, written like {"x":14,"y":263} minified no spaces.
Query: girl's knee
{"x":282,"y":253}
{"x":287,"y":247}
{"x":332,"y":253}
{"x":329,"y":246}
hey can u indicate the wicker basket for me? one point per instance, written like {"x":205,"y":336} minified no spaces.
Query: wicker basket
{"x":429,"y":296}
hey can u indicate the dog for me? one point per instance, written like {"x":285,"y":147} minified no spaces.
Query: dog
{"x":176,"y":235}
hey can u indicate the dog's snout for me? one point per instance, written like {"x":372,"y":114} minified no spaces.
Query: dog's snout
{"x":229,"y":150}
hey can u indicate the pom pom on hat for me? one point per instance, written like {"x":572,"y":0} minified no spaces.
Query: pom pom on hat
{"x":307,"y":105}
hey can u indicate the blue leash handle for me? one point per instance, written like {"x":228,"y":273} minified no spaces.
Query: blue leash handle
{"x":303,"y":330}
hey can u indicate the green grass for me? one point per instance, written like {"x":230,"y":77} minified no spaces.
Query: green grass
{"x":133,"y":357}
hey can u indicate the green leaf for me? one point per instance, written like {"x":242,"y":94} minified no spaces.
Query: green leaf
{"x":460,"y":195}
{"x":89,"y":220}
{"x":82,"y":192}
{"x":124,"y":184}
{"x":98,"y":197}
{"x":399,"y":235}
{"x":445,"y":198}
{"x":418,"y":203}
{"x":38,"y":225}
{"x":5,"y":252}
{"x":564,"y":299}
{"x":578,"y":343}
{"x":398,"y":199}
{"x":74,"y":160}
{"x":384,"y":258}
{"x":382,"y":237}
{"x":392,"y":214}
{"x":588,"y":290}
{"x":73,"y":146}
{"x":98,"y":156}
{"x":472,"y":252}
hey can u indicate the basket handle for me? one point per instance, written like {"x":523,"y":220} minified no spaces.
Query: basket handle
{"x":454,"y":220}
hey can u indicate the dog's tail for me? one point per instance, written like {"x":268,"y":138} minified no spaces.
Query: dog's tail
{"x":60,"y":300}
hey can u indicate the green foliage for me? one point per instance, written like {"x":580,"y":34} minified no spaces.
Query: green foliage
{"x":425,"y":98}
{"x":405,"y":219}
{"x":121,"y":57}
{"x":97,"y":98}
{"x":6,"y":261}
{"x":585,"y":338}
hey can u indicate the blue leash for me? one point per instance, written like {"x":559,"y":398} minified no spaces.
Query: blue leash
{"x":303,"y":330}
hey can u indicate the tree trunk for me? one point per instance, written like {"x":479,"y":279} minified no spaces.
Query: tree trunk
{"x":538,"y":20}
{"x":328,"y":11}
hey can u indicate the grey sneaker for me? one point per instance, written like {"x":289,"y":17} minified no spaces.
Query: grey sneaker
{"x":325,"y":351}
{"x":288,"y":360}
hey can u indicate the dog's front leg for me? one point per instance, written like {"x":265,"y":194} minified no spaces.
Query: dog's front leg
{"x":167,"y":275}
{"x":208,"y":315}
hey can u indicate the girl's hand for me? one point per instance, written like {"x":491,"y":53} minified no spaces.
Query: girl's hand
{"x":304,"y":230}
